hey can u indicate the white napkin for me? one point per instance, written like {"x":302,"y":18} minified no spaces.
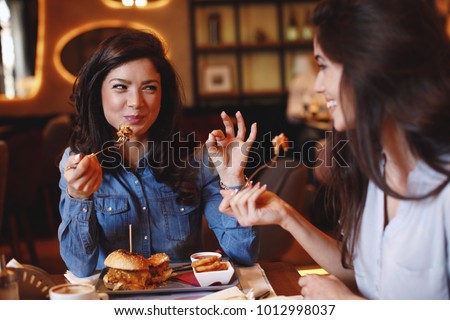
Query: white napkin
{"x":74,"y":279}
{"x":253,"y":282}
{"x":13,"y":263}
{"x":254,"y":279}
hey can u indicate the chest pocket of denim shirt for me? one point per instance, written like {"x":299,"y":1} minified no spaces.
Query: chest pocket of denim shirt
{"x":112,"y":215}
{"x":179,"y":219}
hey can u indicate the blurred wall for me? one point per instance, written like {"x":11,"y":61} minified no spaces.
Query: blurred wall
{"x":57,"y":18}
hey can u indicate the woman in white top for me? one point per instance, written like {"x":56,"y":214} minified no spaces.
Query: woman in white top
{"x":385,"y":73}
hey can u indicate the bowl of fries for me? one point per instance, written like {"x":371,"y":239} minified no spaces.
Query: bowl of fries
{"x":209,"y":269}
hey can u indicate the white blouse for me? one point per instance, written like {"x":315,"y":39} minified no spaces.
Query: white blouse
{"x":410,"y":258}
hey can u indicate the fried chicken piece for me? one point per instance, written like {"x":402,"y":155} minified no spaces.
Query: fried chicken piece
{"x":280,"y":141}
{"x":125,"y":133}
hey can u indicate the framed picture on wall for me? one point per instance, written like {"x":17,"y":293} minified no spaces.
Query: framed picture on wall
{"x":218,"y":78}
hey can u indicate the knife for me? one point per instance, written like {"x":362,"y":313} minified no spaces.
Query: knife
{"x":182,"y":267}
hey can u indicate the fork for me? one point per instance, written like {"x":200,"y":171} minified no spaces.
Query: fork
{"x":278,"y":145}
{"x":266,"y":165}
{"x":120,"y":141}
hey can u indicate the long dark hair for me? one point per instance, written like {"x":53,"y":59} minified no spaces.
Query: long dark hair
{"x":92,"y":129}
{"x":396,"y":67}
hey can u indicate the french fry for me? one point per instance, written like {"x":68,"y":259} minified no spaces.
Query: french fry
{"x":209,"y":264}
{"x":204,"y":261}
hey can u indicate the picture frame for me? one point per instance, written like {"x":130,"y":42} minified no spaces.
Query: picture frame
{"x":218,"y":78}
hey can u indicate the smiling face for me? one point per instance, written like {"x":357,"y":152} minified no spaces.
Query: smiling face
{"x":131,"y":95}
{"x":328,"y":83}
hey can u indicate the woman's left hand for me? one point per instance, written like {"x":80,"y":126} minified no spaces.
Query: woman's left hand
{"x":229,"y":151}
{"x":253,"y":205}
{"x":325,"y":287}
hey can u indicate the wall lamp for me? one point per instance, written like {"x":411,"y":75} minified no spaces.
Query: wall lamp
{"x":137,"y":3}
{"x":144,"y":4}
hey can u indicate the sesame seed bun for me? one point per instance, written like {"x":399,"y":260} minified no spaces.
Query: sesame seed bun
{"x":125,"y":260}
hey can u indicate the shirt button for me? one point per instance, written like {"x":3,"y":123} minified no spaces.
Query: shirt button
{"x":109,"y":209}
{"x":144,"y":208}
{"x":145,"y":238}
{"x":136,"y":182}
{"x":85,"y":209}
{"x":182,"y":209}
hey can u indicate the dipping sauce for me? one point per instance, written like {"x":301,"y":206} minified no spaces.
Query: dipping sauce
{"x":199,"y":256}
{"x":204,"y":255}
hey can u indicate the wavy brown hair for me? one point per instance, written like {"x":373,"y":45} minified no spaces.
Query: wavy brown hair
{"x":169,"y":154}
{"x":395,"y":58}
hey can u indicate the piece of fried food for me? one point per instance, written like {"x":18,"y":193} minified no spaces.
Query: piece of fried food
{"x":280,"y":141}
{"x":223,"y":266}
{"x":125,"y":133}
{"x":159,"y":268}
{"x":205,"y":261}
{"x":158,"y":259}
{"x":212,"y":263}
{"x":208,"y":267}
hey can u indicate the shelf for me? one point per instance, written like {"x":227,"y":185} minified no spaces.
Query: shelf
{"x":286,"y":45}
{"x":211,"y":49}
{"x":241,"y":50}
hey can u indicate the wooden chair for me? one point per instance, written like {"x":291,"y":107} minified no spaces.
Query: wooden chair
{"x":25,"y":155}
{"x":55,"y":136}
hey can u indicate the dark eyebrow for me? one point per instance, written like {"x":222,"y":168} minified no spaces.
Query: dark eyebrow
{"x":119,"y":79}
{"x":128,"y":82}
{"x":150,"y":81}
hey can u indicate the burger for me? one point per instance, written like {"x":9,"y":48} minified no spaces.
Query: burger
{"x":126,"y":271}
{"x":132,"y":271}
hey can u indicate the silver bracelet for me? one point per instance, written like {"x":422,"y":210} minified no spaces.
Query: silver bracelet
{"x":239,"y":187}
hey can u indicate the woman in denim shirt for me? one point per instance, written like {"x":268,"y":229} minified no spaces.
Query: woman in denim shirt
{"x":155,"y":182}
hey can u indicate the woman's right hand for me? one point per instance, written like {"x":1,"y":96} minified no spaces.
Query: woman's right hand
{"x":83,"y":176}
{"x":253,"y":205}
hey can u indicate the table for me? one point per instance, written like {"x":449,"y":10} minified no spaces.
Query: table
{"x":282,"y":276}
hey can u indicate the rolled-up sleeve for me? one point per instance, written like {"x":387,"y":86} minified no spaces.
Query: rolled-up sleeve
{"x":77,"y":232}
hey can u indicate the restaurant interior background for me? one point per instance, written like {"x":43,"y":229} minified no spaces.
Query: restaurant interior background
{"x":231,"y":55}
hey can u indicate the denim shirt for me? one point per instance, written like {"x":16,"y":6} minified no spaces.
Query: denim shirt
{"x":92,"y":228}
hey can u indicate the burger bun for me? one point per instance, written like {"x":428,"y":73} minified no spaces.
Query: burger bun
{"x":125,"y":260}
